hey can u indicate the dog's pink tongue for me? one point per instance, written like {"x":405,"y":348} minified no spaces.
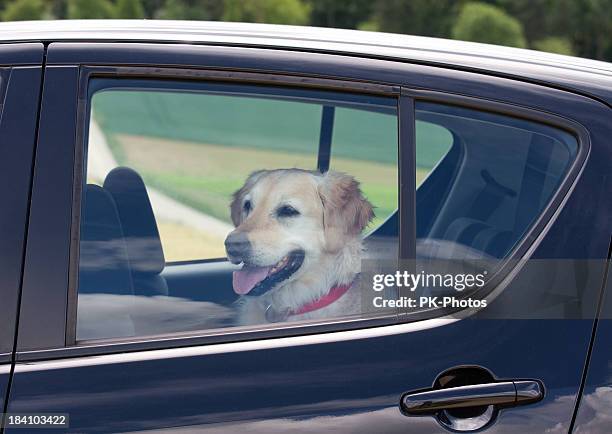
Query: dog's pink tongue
{"x":244,"y":280}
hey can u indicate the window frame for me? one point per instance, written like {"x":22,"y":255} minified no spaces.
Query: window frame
{"x":87,"y":73}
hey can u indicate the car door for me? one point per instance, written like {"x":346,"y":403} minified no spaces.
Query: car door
{"x":20,"y":76}
{"x":513,"y":171}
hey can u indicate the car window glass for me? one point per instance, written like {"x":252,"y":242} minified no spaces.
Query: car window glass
{"x":365,"y":144}
{"x":495,"y":177}
{"x":181,"y":175}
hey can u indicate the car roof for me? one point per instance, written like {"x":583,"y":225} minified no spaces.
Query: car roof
{"x":586,"y":76}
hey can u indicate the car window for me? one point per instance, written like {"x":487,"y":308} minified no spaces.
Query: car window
{"x":491,"y":176}
{"x":289,"y":184}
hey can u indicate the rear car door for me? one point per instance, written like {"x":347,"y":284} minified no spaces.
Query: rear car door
{"x":20,"y":77}
{"x":511,"y":181}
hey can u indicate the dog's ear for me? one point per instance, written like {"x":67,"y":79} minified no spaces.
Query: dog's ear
{"x":345,"y":211}
{"x":238,"y":196}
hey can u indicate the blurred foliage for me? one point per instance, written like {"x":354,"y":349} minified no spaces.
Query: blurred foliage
{"x":538,"y":17}
{"x":90,"y":9}
{"x":579,"y":27}
{"x":348,"y":14}
{"x":590,"y":27}
{"x":554,"y":44}
{"x":204,"y":10}
{"x":129,"y":9}
{"x":267,"y":11}
{"x":414,"y":17}
{"x":481,"y":22}
{"x":22,"y":10}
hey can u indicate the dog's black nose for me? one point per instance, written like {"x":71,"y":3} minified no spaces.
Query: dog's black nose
{"x":237,"y":245}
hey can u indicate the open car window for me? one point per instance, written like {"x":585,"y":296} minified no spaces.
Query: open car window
{"x":291,"y":184}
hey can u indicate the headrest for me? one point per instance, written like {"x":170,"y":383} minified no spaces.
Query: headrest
{"x":103,"y":263}
{"x":144,"y":246}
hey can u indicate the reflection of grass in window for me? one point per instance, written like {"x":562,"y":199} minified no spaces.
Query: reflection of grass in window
{"x":174,"y":158}
{"x":384,"y":199}
{"x":210,"y":196}
{"x":235,"y":121}
{"x":204,"y":176}
{"x":200,"y":175}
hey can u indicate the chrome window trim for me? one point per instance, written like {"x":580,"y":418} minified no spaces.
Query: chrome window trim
{"x":62,"y":358}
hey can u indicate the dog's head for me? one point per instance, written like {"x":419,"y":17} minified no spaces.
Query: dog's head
{"x":287,"y":218}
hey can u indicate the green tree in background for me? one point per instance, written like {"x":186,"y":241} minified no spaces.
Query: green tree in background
{"x":174,"y":10}
{"x":539,"y":18}
{"x":57,"y":8}
{"x":481,"y":22}
{"x":578,"y":27}
{"x":152,"y":7}
{"x":415,"y":17}
{"x":23,"y":10}
{"x":546,"y":23}
{"x":346,"y":14}
{"x":204,"y":10}
{"x":90,"y":9}
{"x":590,"y":27}
{"x":267,"y":11}
{"x":129,"y":9}
{"x":554,"y":44}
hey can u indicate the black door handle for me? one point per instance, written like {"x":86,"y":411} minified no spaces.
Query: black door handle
{"x":502,"y":394}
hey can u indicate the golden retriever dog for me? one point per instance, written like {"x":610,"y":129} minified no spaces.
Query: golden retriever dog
{"x":298,"y":238}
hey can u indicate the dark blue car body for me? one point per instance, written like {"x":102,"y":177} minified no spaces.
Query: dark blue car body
{"x":330,"y":378}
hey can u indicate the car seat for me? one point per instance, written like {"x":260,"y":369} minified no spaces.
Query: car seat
{"x":143,"y":244}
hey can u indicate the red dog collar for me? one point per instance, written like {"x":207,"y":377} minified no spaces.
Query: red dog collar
{"x":334,"y":294}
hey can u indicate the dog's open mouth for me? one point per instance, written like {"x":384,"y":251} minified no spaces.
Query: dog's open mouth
{"x":254,"y":280}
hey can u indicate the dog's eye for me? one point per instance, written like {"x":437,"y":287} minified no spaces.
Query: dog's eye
{"x":287,"y":211}
{"x":247,"y":206}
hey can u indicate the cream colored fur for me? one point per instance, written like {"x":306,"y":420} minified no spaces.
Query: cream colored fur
{"x":333,"y":214}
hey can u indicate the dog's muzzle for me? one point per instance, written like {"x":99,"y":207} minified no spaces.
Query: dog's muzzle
{"x":238,"y":247}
